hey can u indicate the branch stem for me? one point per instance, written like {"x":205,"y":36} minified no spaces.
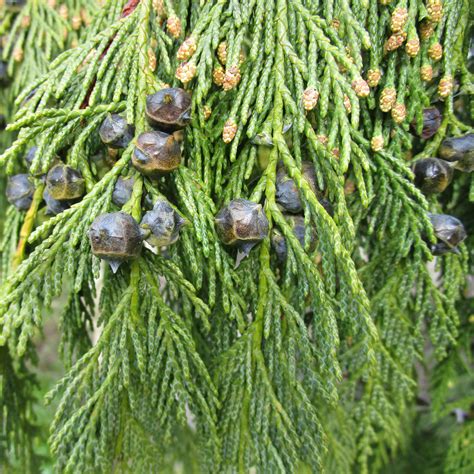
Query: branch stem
{"x":27,"y":226}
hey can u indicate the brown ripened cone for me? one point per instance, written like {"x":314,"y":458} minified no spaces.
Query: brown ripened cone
{"x":322,"y":139}
{"x":151,"y":59}
{"x":412,"y":47}
{"x":76,"y":22}
{"x":377,"y":143}
{"x":398,"y":19}
{"x":342,"y":67}
{"x":373,"y":77}
{"x":159,"y":7}
{"x":231,"y":78}
{"x":86,"y":19}
{"x":387,"y":99}
{"x":229,"y":130}
{"x":187,"y":49}
{"x":173,"y":25}
{"x":435,"y":51}
{"x":349,"y":187}
{"x":25,"y":21}
{"x":445,"y":87}
{"x":185,"y":72}
{"x":218,"y":75}
{"x":310,"y":98}
{"x":426,"y":72}
{"x":395,"y":41}
{"x":361,"y":88}
{"x":347,"y":104}
{"x":426,"y":29}
{"x":18,"y":54}
{"x":207,"y":111}
{"x":222,"y":52}
{"x":435,"y":10}
{"x":63,"y":11}
{"x":399,"y":113}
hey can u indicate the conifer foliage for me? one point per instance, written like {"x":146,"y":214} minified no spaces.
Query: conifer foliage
{"x":255,"y":217}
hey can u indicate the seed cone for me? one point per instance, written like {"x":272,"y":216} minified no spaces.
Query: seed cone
{"x":242,"y":223}
{"x":20,"y":191}
{"x":432,"y":175}
{"x":65,"y":183}
{"x":156,"y":153}
{"x":115,"y":237}
{"x":169,"y":109}
{"x":459,"y":151}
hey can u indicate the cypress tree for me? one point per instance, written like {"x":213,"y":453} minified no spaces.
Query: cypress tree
{"x":251,"y":223}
